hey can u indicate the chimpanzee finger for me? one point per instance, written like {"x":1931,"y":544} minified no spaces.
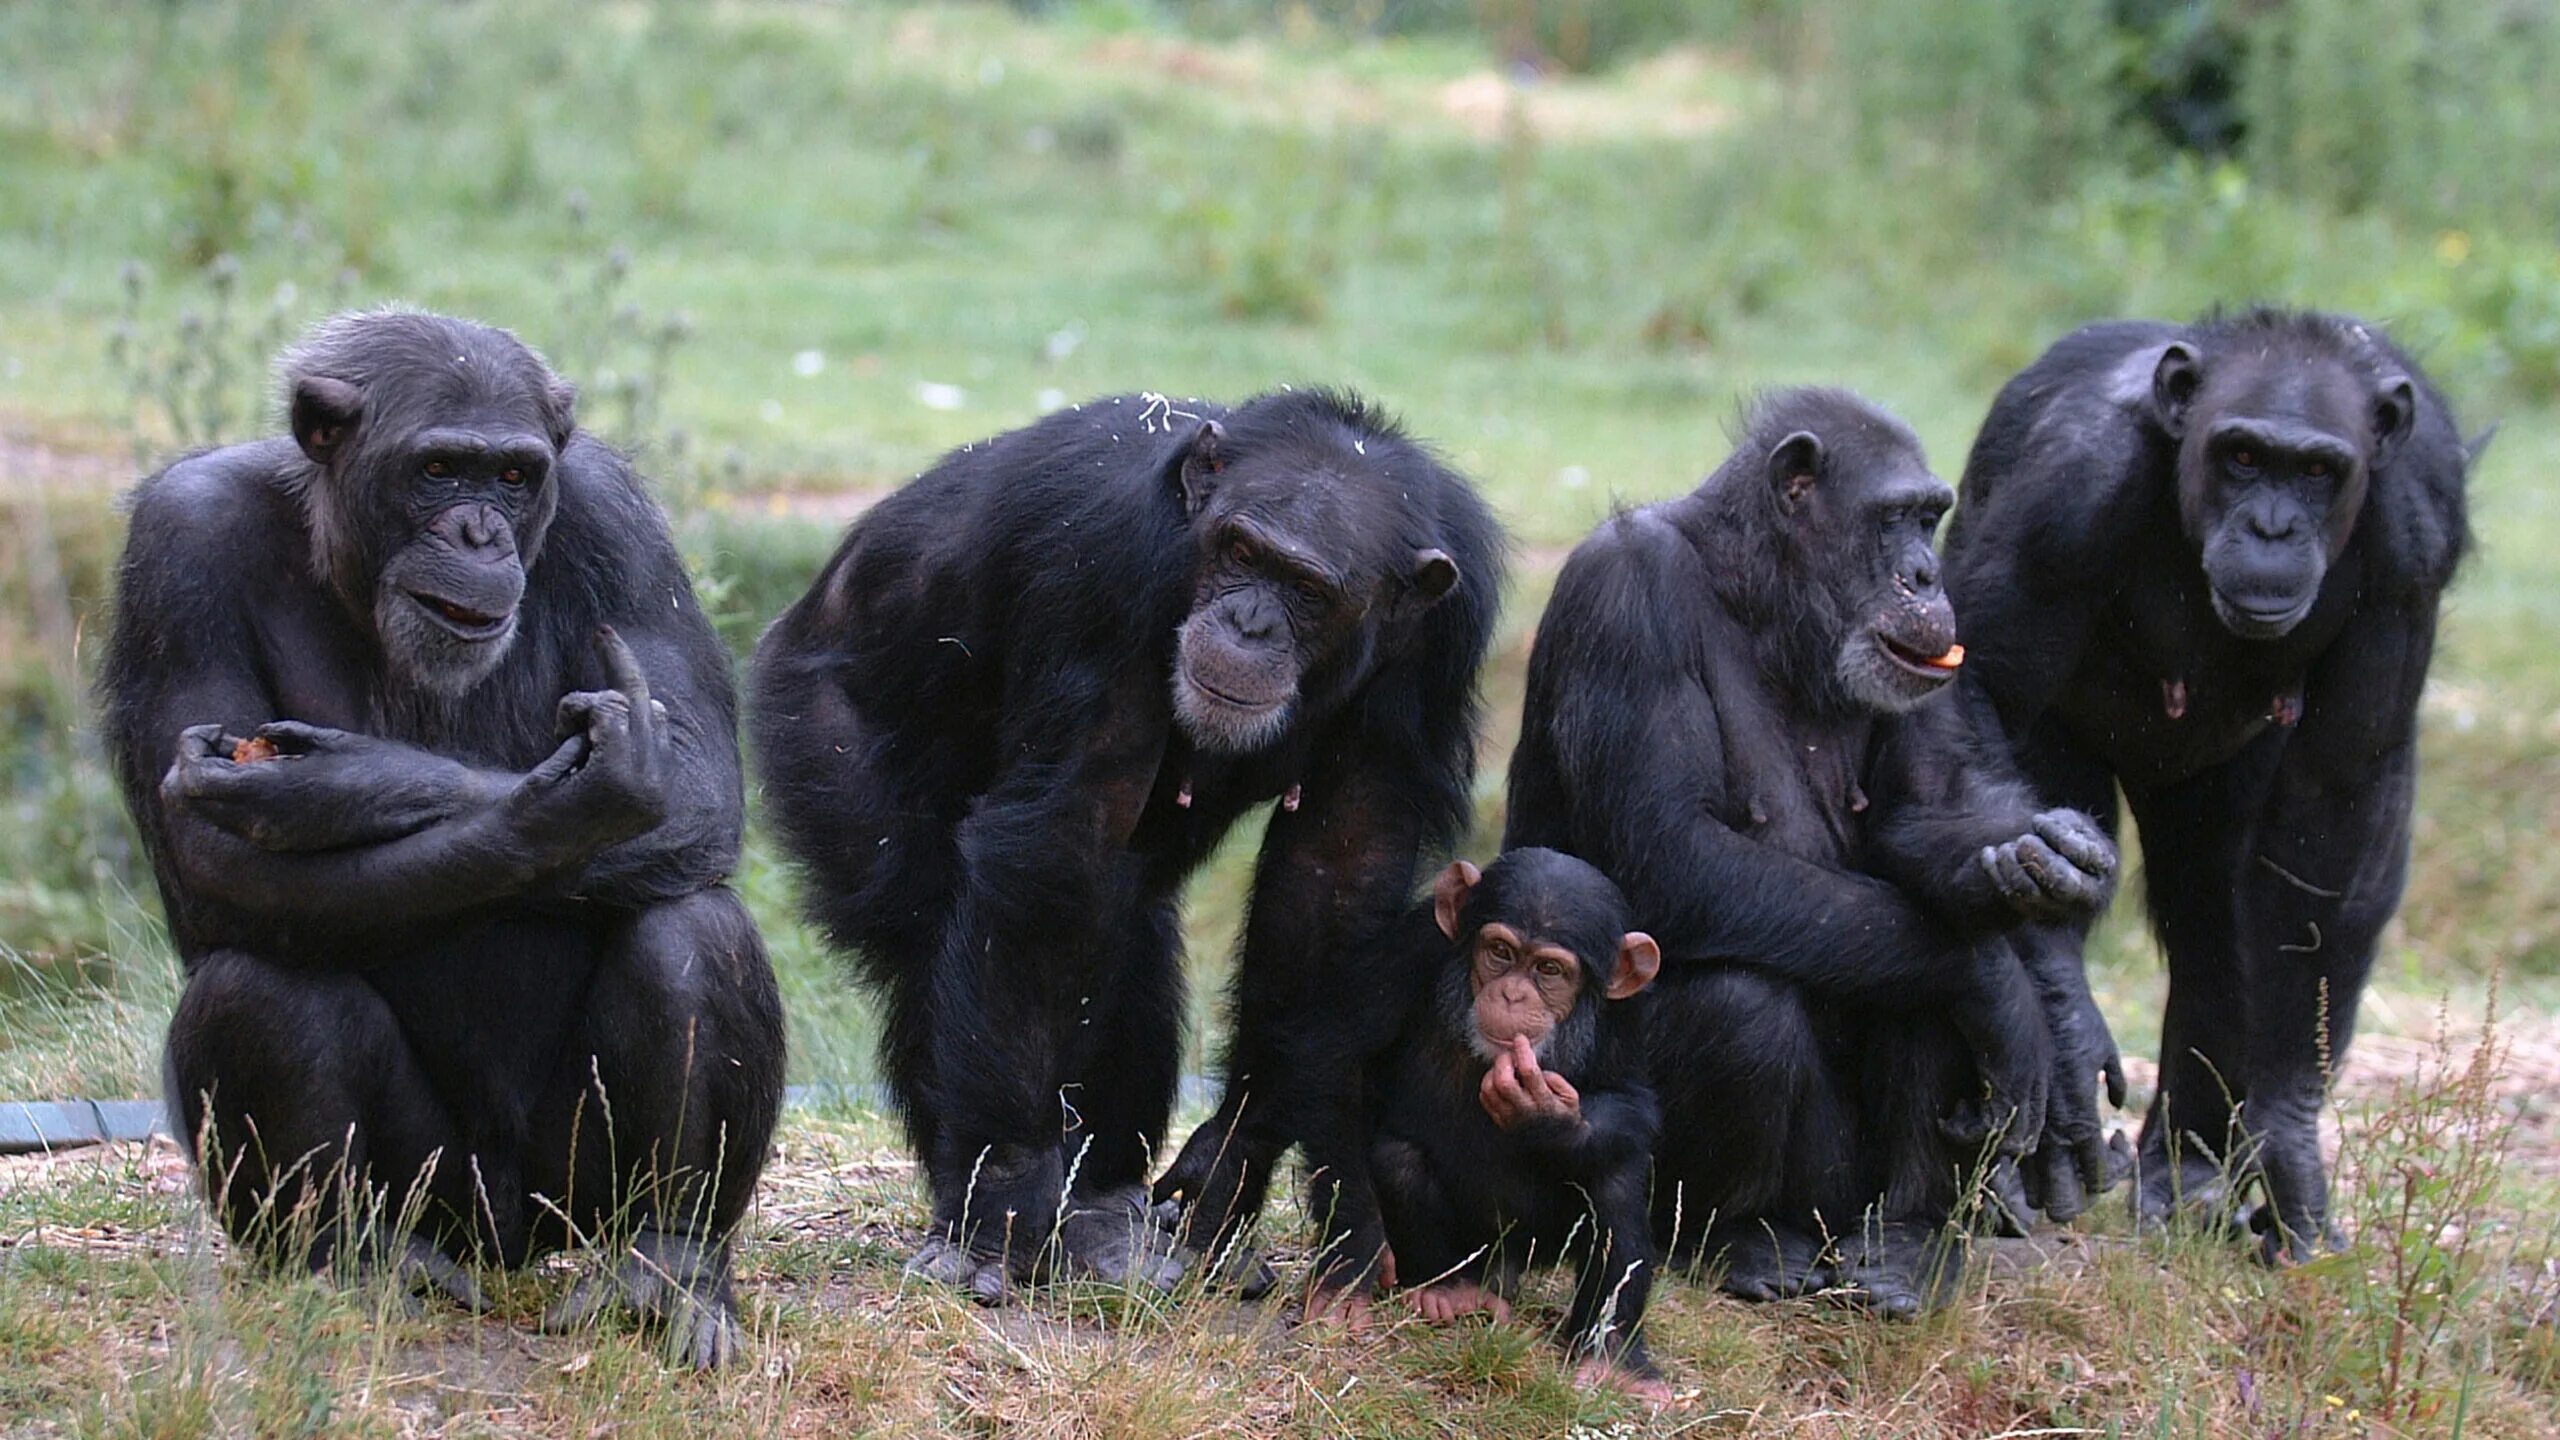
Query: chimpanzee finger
{"x":557,"y":766}
{"x":2010,"y":876}
{"x":2114,"y":1071}
{"x":622,"y":668}
{"x":2059,"y":1171}
{"x":2078,"y":839}
{"x":1563,"y":1091}
{"x":204,"y":742}
{"x":294,"y":737}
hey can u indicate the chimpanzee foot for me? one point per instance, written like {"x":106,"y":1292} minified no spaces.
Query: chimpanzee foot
{"x":1113,"y":1237}
{"x":1906,"y":1270}
{"x":2194,"y":1185}
{"x":422,"y":1268}
{"x":2281,"y":1246}
{"x":2006,"y":1209}
{"x":1443,"y":1301}
{"x":1234,"y":1263}
{"x":1761,"y":1261}
{"x":1636,"y":1384}
{"x":946,"y":1261}
{"x":673,"y":1282}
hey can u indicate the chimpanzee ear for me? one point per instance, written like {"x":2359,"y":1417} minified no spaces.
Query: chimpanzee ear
{"x":1794,"y":464}
{"x":1205,"y":456}
{"x":2173,"y":384}
{"x":2395,"y":411}
{"x":1434,"y":574}
{"x":323,"y":415}
{"x":1639,"y":960}
{"x":560,"y":398}
{"x":1449,"y":894}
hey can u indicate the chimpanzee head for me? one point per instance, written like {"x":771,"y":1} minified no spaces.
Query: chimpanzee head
{"x":433,"y":444}
{"x":1836,"y":507}
{"x":2280,"y":421}
{"x":1307,"y":550}
{"x":1541,"y":943}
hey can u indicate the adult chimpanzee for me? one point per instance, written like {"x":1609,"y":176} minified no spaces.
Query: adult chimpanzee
{"x":1506,"y":1118}
{"x":1730,"y":713}
{"x":1022,"y":703}
{"x":436,"y":762}
{"x":2201,"y":564}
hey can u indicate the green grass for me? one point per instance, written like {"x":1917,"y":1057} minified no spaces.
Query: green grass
{"x":1567,"y":285}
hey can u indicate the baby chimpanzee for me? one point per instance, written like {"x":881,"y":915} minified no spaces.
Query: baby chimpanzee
{"x":1510,"y":1122}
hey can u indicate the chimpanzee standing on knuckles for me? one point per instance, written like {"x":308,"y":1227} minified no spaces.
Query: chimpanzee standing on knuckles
{"x":2202,"y":564}
{"x":1730,"y":713}
{"x":1506,"y":1118}
{"x":1027,"y":697}
{"x":435,"y":759}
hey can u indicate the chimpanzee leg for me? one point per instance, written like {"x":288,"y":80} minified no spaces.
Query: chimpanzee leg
{"x":1914,"y":1073}
{"x":655,"y":1126}
{"x":2193,"y":840}
{"x":1126,"y":1057}
{"x":303,"y":1106}
{"x":2325,"y":874}
{"x":1756,"y":1129}
{"x":1616,"y":1276}
{"x":1431,"y":1241}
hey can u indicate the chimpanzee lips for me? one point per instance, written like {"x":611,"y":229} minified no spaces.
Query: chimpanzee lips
{"x":462,"y":620}
{"x":1936,"y":667}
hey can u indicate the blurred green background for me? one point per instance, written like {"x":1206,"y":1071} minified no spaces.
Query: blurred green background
{"x":791,"y":251}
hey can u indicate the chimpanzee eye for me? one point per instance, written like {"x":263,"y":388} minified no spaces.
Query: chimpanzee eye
{"x":437,"y":469}
{"x":2245,"y":459}
{"x":1310,"y":591}
{"x":1241,"y":553}
{"x":2317,"y":470}
{"x":1550,"y":969}
{"x":512,"y":475}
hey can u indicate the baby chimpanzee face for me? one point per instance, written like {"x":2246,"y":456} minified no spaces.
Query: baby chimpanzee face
{"x":1524,"y":986}
{"x":1542,"y":945}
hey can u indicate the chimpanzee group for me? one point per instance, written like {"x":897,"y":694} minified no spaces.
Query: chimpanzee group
{"x":1776,"y":977}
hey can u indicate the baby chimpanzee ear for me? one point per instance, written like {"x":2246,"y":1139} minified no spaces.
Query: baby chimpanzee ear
{"x":1434,"y":574}
{"x":1203,"y":457}
{"x":1449,"y":894}
{"x":1793,"y":465}
{"x":324,"y":413}
{"x":1639,"y":960}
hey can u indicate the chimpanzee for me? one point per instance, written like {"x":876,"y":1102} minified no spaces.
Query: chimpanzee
{"x":1734,"y":711}
{"x":1022,"y":703}
{"x":1506,"y":1119}
{"x":2201,"y":565}
{"x":435,"y":759}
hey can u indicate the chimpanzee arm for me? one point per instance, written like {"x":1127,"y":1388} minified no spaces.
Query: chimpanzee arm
{"x":604,"y":784}
{"x":2326,"y":861}
{"x":1959,"y":829}
{"x":1615,"y":1132}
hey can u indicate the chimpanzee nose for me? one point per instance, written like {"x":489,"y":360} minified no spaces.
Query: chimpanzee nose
{"x":1256,"y":622}
{"x":477,"y":527}
{"x":1924,"y":576}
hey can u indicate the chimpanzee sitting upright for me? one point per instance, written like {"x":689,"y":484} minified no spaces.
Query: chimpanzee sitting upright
{"x":435,"y":759}
{"x":1024,"y":701}
{"x":1508,"y":1121}
{"x":1730,"y":712}
{"x":2202,"y":565}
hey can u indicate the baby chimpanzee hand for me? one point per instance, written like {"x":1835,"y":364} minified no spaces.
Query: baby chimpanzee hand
{"x":1517,"y":1093}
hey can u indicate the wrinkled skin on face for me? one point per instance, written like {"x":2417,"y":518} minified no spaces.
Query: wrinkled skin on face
{"x":2274,"y":457}
{"x":427,"y":523}
{"x":1292,"y":565}
{"x":1528,"y":1003}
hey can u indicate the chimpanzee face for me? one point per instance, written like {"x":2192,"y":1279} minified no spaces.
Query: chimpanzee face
{"x":1864,"y":508}
{"x":433,"y":494}
{"x":1292,"y":569}
{"x":1537,"y":954}
{"x":2273,"y":459}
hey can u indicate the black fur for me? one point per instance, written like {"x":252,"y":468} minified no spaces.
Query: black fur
{"x":430,"y":923}
{"x":968,"y":731}
{"x":1455,"y":1195}
{"x":1839,"y":877}
{"x":2269,"y":762}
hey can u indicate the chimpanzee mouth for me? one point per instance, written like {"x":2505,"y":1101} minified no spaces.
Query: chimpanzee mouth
{"x":1936,"y":669}
{"x":2260,"y":621}
{"x":1234,"y":702}
{"x":463,"y":621}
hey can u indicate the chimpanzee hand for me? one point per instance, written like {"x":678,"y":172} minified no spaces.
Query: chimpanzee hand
{"x":292,"y":786}
{"x":2075,"y":1162}
{"x":2063,"y":868}
{"x":1519,"y":1095}
{"x":608,"y":780}
{"x":2002,"y":1019}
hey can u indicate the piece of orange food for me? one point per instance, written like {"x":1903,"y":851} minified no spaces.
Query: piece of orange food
{"x":1953,"y":658}
{"x":253,"y":750}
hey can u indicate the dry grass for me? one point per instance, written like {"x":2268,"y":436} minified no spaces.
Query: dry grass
{"x":122,"y":1315}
